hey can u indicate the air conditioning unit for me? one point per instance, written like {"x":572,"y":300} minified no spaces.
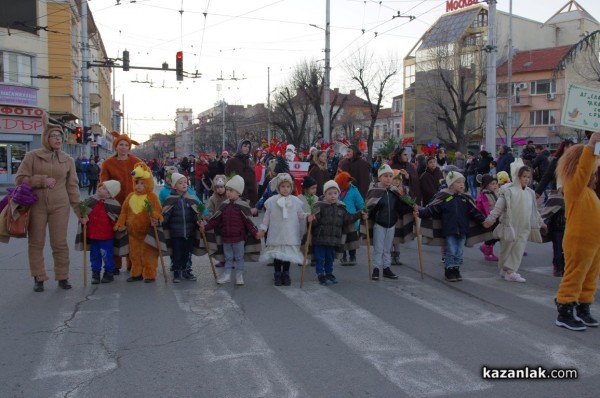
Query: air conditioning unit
{"x":552,"y":128}
{"x":522,"y":86}
{"x":550,"y":96}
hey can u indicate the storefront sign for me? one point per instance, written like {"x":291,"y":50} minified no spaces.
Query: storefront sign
{"x":19,"y":124}
{"x":453,"y":5}
{"x":16,"y":95}
{"x":20,"y":111}
{"x":582,"y":108}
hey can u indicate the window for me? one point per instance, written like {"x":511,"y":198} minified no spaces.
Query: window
{"x":409,"y":76}
{"x":397,"y":129}
{"x":502,"y":89}
{"x":543,"y":87}
{"x":501,"y":119}
{"x":544,"y":117}
{"x":481,"y":20}
{"x":16,"y":68}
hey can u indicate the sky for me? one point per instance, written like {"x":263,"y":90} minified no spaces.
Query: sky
{"x":234,"y":43}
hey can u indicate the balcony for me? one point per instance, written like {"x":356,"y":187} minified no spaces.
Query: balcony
{"x":521,"y":101}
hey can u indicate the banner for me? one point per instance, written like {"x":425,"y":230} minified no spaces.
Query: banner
{"x":581,"y":109}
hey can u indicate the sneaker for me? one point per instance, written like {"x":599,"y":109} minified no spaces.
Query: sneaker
{"x":443,"y":261}
{"x":322,"y":279}
{"x":277,"y":279}
{"x":95,"y":278}
{"x":450,"y":274}
{"x":176,"y":276}
{"x":566,"y":319}
{"x":513,"y":277}
{"x":225,"y":277}
{"x":387,"y":273}
{"x":135,"y":278}
{"x":239,"y":278}
{"x":583,"y":314}
{"x":220,"y":264}
{"x":331,"y":278}
{"x":457,"y":274}
{"x":107,"y":277}
{"x":375,"y":274}
{"x":64,"y":284}
{"x":189,"y":276}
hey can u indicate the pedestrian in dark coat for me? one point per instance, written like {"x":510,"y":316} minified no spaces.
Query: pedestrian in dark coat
{"x":242,"y":165}
{"x":430,"y":180}
{"x":93,"y":172}
{"x":505,"y":158}
{"x":358,"y":168}
{"x":410,"y":178}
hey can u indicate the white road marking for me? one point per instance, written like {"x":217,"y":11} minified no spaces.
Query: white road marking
{"x":234,"y":349}
{"x":405,"y":361}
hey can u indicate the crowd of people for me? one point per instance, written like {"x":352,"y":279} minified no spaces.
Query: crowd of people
{"x":458,"y":202}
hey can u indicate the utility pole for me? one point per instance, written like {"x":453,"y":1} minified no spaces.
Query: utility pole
{"x":490,"y":129}
{"x":326,"y":99}
{"x":85,"y":79}
{"x":269,"y":104}
{"x":510,"y":89}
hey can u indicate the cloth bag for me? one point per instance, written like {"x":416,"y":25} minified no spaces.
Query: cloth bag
{"x":17,"y":219}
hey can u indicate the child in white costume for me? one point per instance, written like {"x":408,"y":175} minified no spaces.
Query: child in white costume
{"x":283,"y":218}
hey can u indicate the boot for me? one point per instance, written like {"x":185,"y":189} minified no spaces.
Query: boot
{"x":64,"y":284}
{"x":488,"y":252}
{"x":239,"y":278}
{"x":277,"y":279}
{"x":344,"y":260}
{"x":107,"y":277}
{"x":583,"y":314}
{"x":566,"y":319}
{"x":225,"y":277}
{"x":557,"y":271}
{"x":285,"y":278}
{"x":95,"y":278}
{"x":38,"y":286}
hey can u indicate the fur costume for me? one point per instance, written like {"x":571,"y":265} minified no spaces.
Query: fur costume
{"x":404,"y":226}
{"x":51,"y":212}
{"x":120,"y":170}
{"x":580,"y":243}
{"x":252,"y":246}
{"x":143,"y":256}
{"x":113,"y":209}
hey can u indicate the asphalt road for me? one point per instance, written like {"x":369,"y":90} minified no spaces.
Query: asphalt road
{"x":359,"y":338}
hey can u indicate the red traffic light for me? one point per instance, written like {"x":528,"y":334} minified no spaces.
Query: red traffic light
{"x":179,"y":55}
{"x":179,"y":65}
{"x":78,"y":137}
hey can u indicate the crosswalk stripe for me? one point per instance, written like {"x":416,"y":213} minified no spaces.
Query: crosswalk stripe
{"x":232,"y":346}
{"x":81,"y":347}
{"x":402,"y":359}
{"x":539,"y":342}
{"x":526,"y":291}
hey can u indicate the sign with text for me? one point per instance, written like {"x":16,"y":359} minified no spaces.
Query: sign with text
{"x":581,"y":109}
{"x":19,"y":124}
{"x":453,"y":5}
{"x":17,"y":95}
{"x":298,"y":169}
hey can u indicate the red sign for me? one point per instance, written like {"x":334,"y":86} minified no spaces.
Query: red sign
{"x":21,"y":111}
{"x":18,"y":124}
{"x":453,"y":5}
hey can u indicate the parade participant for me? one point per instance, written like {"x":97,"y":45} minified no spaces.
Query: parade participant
{"x":454,"y":208}
{"x":93,"y":173}
{"x":51,"y":173}
{"x":242,"y":165}
{"x":358,"y":167}
{"x":485,"y":202}
{"x":104,"y":211}
{"x":577,"y":171}
{"x":410,"y":178}
{"x":216,"y":200}
{"x":354,"y":202}
{"x":134,"y":217}
{"x":385,"y":209}
{"x":429,"y":181}
{"x":282,"y":219}
{"x":318,"y":170}
{"x":519,"y":221}
{"x":234,"y":221}
{"x":329,"y":224}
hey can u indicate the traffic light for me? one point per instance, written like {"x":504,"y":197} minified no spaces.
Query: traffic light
{"x":78,"y":135}
{"x":179,"y":65}
{"x":125,"y":60}
{"x":87,"y":134}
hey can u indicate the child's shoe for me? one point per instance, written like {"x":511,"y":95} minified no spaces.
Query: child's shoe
{"x":107,"y":277}
{"x":513,"y":277}
{"x":220,"y":264}
{"x":322,"y":279}
{"x":150,"y":280}
{"x":450,"y":274}
{"x":277,"y":281}
{"x":457,"y":274}
{"x":189,"y":276}
{"x":285,"y":278}
{"x":225,"y":277}
{"x":331,"y":278}
{"x":176,"y":276}
{"x":95,"y":278}
{"x":375,"y":274}
{"x":387,"y":273}
{"x":135,"y":278}
{"x":344,"y":260}
{"x":352,"y":260}
{"x":239,"y":278}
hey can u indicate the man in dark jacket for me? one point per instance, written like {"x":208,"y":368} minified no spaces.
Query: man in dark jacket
{"x":242,"y":165}
{"x":430,"y":180}
{"x":358,"y":168}
{"x":529,"y":154}
{"x":505,"y":158}
{"x":540,"y":163}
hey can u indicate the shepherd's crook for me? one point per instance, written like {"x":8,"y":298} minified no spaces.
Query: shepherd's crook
{"x":84,"y":255}
{"x":368,"y":248}
{"x":162,"y":260}
{"x":419,"y":244}
{"x":212,"y":266}
{"x":306,"y":245}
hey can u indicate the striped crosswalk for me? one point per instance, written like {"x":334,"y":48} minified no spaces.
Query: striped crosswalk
{"x":233,"y":356}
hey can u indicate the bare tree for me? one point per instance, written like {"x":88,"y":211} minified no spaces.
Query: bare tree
{"x":452,"y":82}
{"x":291,"y":115}
{"x":582,"y":59}
{"x":373,"y":77}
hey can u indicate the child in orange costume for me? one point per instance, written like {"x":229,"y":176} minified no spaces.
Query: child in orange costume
{"x":576,"y":171}
{"x":134,"y":216}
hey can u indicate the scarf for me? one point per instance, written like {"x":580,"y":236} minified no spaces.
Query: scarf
{"x":284,"y":202}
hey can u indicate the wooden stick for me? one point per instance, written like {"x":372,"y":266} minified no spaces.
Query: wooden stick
{"x":368,"y":248}
{"x":306,"y":246}
{"x":212,"y":265}
{"x":419,"y":244}
{"x":162,"y":260}
{"x":84,"y":255}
